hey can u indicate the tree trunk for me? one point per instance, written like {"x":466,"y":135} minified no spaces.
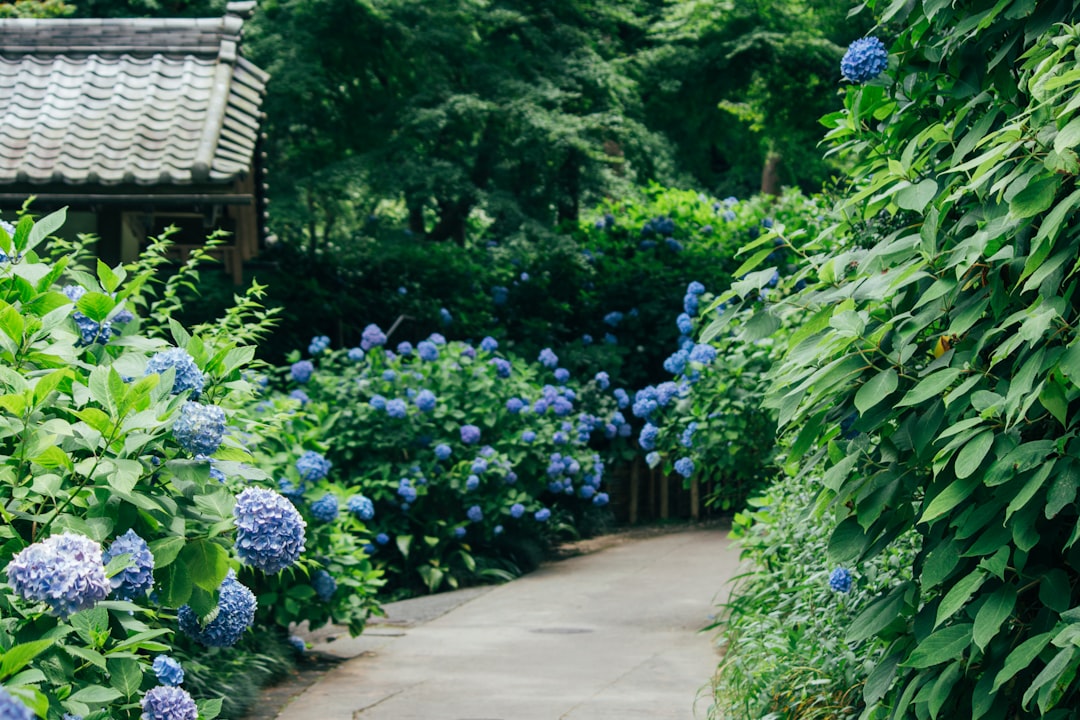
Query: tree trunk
{"x":770,"y":174}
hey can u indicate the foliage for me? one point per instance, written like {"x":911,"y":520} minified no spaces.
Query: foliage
{"x":447,"y":509}
{"x":89,"y":452}
{"x":933,"y":384}
{"x":783,"y":631}
{"x":35,"y":9}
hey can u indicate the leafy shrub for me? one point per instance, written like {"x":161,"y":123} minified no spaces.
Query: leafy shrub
{"x":119,"y":461}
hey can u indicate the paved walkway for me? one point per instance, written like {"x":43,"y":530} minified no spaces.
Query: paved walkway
{"x":609,"y":635}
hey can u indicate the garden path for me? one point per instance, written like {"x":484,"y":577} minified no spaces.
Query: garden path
{"x":611,"y":634}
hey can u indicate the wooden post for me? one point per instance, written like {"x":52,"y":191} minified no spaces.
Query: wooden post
{"x":635,"y":489}
{"x":652,"y":494}
{"x":695,"y":499}
{"x":665,"y":498}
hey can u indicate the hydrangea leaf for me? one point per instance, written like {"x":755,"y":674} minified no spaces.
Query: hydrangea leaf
{"x":207,"y":563}
{"x":942,"y":646}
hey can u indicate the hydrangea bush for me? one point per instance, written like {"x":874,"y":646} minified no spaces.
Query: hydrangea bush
{"x":121,"y":458}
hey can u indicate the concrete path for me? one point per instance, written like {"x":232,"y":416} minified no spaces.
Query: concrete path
{"x":609,"y":635}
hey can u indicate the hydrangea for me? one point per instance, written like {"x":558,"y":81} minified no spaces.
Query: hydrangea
{"x":865,"y":59}
{"x":382,"y":539}
{"x":468,"y":351}
{"x":361,"y":507}
{"x":404,"y":348}
{"x":406,"y":491}
{"x":64,"y":571}
{"x":548,"y":359}
{"x":475,"y":514}
{"x":299,"y":396}
{"x":355,"y":354}
{"x":443,"y":451}
{"x":470,"y":434}
{"x":472,"y":482}
{"x":165,"y":702}
{"x":290,"y":490}
{"x":479,"y":466}
{"x":503,"y":368}
{"x":517,"y":510}
{"x":840,"y":580}
{"x":690,"y":304}
{"x":703,"y":354}
{"x":298,"y":644}
{"x":489,"y":344}
{"x":459,"y":532}
{"x":378,"y":402}
{"x":515,"y":405}
{"x":425,"y":401}
{"x":235,"y":613}
{"x":666,"y":392}
{"x":138,"y":577}
{"x":684,"y":323}
{"x":325,"y":509}
{"x":622,"y":398}
{"x":445,"y":316}
{"x":269,"y":530}
{"x":586,"y":339}
{"x":559,"y":438}
{"x":301,"y":371}
{"x":601,"y":499}
{"x":499,"y":295}
{"x":613,"y":318}
{"x":428,"y":351}
{"x":695,"y":288}
{"x":188,"y":375}
{"x":90,"y":331}
{"x":603,"y":380}
{"x":611,"y":339}
{"x":11,"y":708}
{"x":389,"y":376}
{"x":676,"y":362}
{"x":312,"y":466}
{"x":168,"y":670}
{"x":397,"y":408}
{"x":542,"y":515}
{"x":437,"y":339}
{"x":528,"y":436}
{"x":647,"y":438}
{"x":318,"y":344}
{"x":687,"y":439}
{"x":199,"y":428}
{"x":324,"y":585}
{"x":562,"y":375}
{"x":684,"y":466}
{"x":372,"y":337}
{"x":652,"y":459}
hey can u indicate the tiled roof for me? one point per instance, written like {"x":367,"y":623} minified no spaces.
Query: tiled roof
{"x":127,"y":101}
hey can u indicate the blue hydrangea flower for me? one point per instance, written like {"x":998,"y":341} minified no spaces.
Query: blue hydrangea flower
{"x":425,"y":401}
{"x":613,"y":318}
{"x":445,"y":316}
{"x":324,"y":584}
{"x":840,"y":580}
{"x":542,"y":515}
{"x":586,"y":339}
{"x":168,"y":670}
{"x":389,"y":376}
{"x":165,"y":702}
{"x":489,"y":344}
{"x":690,"y":304}
{"x":269,"y":530}
{"x":11,"y":708}
{"x":318,"y":344}
{"x":684,"y":466}
{"x":510,"y":478}
{"x":472,"y":482}
{"x":517,"y":510}
{"x":404,"y":348}
{"x":325,"y":509}
{"x":406,"y":491}
{"x":586,"y":491}
{"x":695,"y":288}
{"x":470,"y":434}
{"x":312,"y":466}
{"x":559,"y":438}
{"x":65,"y":716}
{"x":622,"y":399}
{"x":372,"y":337}
{"x":290,"y":490}
{"x":515,"y":405}
{"x":298,"y":644}
{"x":865,"y":59}
{"x":64,"y":571}
{"x":648,"y":435}
{"x":397,"y":408}
{"x":479,"y":466}
{"x":610,"y":339}
{"x":601,"y":499}
{"x":652,"y":459}
{"x":685,"y":324}
{"x":548,"y":359}
{"x":138,"y":577}
{"x":475,"y":514}
{"x":437,"y":339}
{"x":528,"y":436}
{"x":378,"y":402}
{"x":562,"y":375}
{"x":235,"y":613}
{"x":382,"y":539}
{"x":603,"y":380}
{"x":90,"y":332}
{"x":299,"y":396}
{"x":443,"y":451}
{"x":361,"y":507}
{"x":459,"y":532}
{"x":188,"y":376}
{"x":301,"y":371}
{"x":200,"y":428}
{"x":428,"y":351}
{"x":703,"y":354}
{"x":676,"y":363}
{"x":355,"y":354}
{"x":645,"y":402}
{"x":687,"y":439}
{"x":503,"y":368}
{"x":562,"y":406}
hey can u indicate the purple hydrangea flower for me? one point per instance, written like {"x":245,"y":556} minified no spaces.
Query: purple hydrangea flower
{"x":235,"y":613}
{"x":428,"y":351}
{"x":470,"y":434}
{"x":517,"y":510}
{"x":548,"y":359}
{"x":372,"y":337}
{"x":269,"y":530}
{"x":138,"y":577}
{"x":562,"y":375}
{"x":64,"y":571}
{"x":200,"y":428}
{"x":168,"y":670}
{"x":404,"y":348}
{"x":187,"y":373}
{"x":165,"y":702}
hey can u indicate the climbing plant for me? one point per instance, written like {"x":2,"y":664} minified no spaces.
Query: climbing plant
{"x":934,"y":384}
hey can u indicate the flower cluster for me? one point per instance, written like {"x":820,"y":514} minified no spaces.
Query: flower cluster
{"x":840,"y":580}
{"x":168,"y":670}
{"x":188,"y":376}
{"x":138,"y":577}
{"x":166,"y":702}
{"x":319,"y":344}
{"x":470,"y":434}
{"x":301,"y":371}
{"x":64,"y":571}
{"x":325,"y":509}
{"x":324,"y":584}
{"x":865,"y":59}
{"x":200,"y":428}
{"x":11,"y":708}
{"x":372,"y":337}
{"x":90,"y":332}
{"x":361,"y":507}
{"x":312,"y":466}
{"x":269,"y":530}
{"x":235,"y":613}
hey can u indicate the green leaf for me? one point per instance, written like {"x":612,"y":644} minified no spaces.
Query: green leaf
{"x":95,"y":306}
{"x":166,"y":549}
{"x":209,"y":709}
{"x":880,"y":679}
{"x":992,"y":614}
{"x":931,"y":386}
{"x":971,"y":455}
{"x":20,"y":656}
{"x":126,"y":675}
{"x":953,"y":494}
{"x":207,"y":563}
{"x":1021,"y":658}
{"x":761,"y":325}
{"x":876,"y":389}
{"x":958,"y":595}
{"x":1068,"y":136}
{"x":403,"y":543}
{"x":917,"y":197}
{"x":847,"y":542}
{"x":1035,"y":198}
{"x":876,"y":617}
{"x":95,"y":694}
{"x":174,"y":585}
{"x":942,"y":646}
{"x":42,"y":229}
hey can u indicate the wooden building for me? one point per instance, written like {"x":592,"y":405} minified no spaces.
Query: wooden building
{"x":135,"y":125}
